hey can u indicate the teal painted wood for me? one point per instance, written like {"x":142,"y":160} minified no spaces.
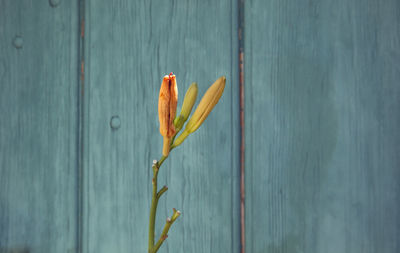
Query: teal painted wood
{"x":38,"y":129}
{"x":322,"y":139}
{"x":129,"y":46}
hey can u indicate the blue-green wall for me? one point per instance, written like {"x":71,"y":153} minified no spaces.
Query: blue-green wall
{"x":322,"y":126}
{"x":38,"y":126}
{"x":322,"y":99}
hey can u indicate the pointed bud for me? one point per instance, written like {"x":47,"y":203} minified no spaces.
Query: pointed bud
{"x":167,"y":102}
{"x":207,"y":103}
{"x":188,"y":102}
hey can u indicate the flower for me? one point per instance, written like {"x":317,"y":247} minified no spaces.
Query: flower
{"x":167,"y":102}
{"x":207,"y":103}
{"x":188,"y":102}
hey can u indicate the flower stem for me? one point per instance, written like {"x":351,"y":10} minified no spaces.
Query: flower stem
{"x":167,"y":226}
{"x":153,"y":208}
{"x":154,"y":202}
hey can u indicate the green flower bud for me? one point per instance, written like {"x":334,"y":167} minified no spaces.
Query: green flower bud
{"x":188,"y":102}
{"x":207,"y":103}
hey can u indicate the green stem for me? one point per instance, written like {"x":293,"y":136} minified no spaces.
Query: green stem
{"x":153,"y":210}
{"x":154,"y":202}
{"x":167,"y":226}
{"x":164,"y":189}
{"x":160,"y":162}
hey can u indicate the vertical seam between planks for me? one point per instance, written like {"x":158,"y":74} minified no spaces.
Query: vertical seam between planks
{"x":233,"y":168}
{"x":80,"y":91}
{"x":242,"y":123}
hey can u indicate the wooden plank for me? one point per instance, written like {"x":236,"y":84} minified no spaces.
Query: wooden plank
{"x":38,"y":129}
{"x":129,"y":46}
{"x":322,"y":120}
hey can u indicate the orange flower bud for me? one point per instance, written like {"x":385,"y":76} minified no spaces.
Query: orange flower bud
{"x":167,"y":102}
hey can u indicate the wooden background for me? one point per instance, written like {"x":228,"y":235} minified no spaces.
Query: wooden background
{"x":79,"y":83}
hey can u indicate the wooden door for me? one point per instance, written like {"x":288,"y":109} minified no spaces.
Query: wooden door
{"x":322,"y":139}
{"x":39,"y":128}
{"x":79,"y":86}
{"x":129,"y":47}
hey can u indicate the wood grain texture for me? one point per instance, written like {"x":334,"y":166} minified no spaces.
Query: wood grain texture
{"x":129,"y":47}
{"x":322,"y":121}
{"x":38,"y":128}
